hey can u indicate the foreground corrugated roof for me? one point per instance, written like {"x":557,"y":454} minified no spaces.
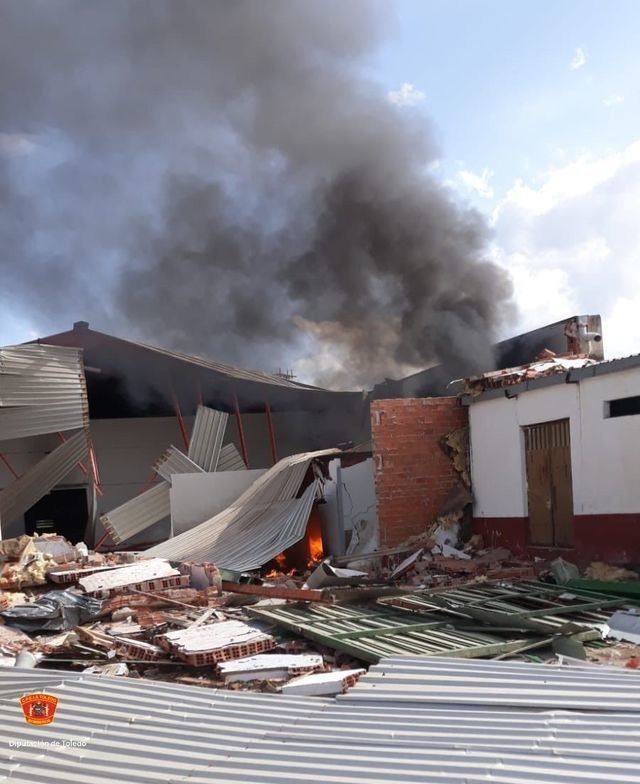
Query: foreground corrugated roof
{"x":431,"y":680}
{"x":139,"y":731}
{"x":265,"y":520}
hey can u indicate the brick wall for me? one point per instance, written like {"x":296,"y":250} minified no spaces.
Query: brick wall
{"x":413,"y":475}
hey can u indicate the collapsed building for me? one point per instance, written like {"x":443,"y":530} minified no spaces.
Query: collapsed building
{"x":169,"y":441}
{"x":137,"y":406}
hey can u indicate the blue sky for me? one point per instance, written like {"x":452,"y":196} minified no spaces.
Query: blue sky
{"x":535,"y":108}
{"x":498,"y":84}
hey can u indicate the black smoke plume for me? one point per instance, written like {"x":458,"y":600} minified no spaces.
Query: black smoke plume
{"x":222,"y":177}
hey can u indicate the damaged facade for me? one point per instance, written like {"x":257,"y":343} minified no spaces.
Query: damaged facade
{"x":345,"y":608}
{"x":554,"y":458}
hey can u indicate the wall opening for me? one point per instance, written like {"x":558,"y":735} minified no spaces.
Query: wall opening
{"x":64,"y":511}
{"x":623,"y":406}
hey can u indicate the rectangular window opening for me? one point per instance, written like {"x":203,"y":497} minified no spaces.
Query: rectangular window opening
{"x":623,"y":406}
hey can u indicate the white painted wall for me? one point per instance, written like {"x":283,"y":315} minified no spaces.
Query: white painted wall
{"x":358,"y":500}
{"x":198,"y":497}
{"x":605,"y":456}
{"x":127,"y":448}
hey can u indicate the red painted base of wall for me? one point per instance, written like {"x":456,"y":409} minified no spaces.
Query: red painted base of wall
{"x":614,"y":538}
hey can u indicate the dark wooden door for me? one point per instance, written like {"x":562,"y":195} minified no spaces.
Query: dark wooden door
{"x":549,"y":489}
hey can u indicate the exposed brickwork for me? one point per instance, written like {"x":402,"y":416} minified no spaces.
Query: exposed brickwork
{"x":413,"y":475}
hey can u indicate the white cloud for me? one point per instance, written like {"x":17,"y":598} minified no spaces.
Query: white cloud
{"x":613,"y":100}
{"x":578,"y":60}
{"x":570,"y":240}
{"x":406,"y":95}
{"x":478,"y":183}
{"x":14,"y":144}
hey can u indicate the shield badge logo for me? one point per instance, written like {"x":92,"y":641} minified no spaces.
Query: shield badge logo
{"x":39,"y":709}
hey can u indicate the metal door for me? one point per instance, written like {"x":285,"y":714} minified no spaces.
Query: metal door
{"x":549,"y":489}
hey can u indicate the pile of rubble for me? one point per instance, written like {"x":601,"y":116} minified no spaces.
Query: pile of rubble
{"x":127,"y":614}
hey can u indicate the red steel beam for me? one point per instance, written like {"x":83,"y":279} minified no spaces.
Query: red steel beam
{"x":5,"y":460}
{"x":83,"y":467}
{"x":183,"y":428}
{"x":243,"y":443}
{"x":272,"y":435}
{"x":277,"y":591}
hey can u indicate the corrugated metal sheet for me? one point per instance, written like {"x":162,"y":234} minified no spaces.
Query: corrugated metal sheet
{"x":173,"y":461}
{"x":42,"y":390}
{"x":265,"y":520}
{"x":23,"y":493}
{"x":226,"y":370}
{"x":230,"y":459}
{"x":207,"y":436}
{"x":370,"y":633}
{"x":523,"y":605}
{"x":139,"y":731}
{"x":462,"y":682}
{"x":137,"y":514}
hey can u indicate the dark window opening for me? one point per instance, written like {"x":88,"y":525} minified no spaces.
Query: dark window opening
{"x":624,"y":406}
{"x":64,"y":512}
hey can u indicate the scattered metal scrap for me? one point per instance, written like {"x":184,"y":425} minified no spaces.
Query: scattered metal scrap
{"x":264,"y":521}
{"x":526,"y":605}
{"x":154,"y":504}
{"x":205,"y":443}
{"x":370,"y":633}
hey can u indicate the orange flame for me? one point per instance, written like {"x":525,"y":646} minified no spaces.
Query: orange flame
{"x":315,"y":549}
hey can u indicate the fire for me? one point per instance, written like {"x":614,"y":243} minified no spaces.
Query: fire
{"x":315,"y":549}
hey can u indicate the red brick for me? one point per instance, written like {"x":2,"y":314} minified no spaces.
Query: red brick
{"x":413,"y":476}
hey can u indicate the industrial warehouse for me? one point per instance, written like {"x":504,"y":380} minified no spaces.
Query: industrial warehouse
{"x":228,"y":541}
{"x":319,"y":392}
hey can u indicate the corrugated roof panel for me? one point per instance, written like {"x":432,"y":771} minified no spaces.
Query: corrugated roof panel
{"x":138,"y":731}
{"x":470,"y":682}
{"x":173,"y":461}
{"x":38,"y":480}
{"x":206,"y":437}
{"x":42,"y":390}
{"x":230,"y":459}
{"x":265,"y":516}
{"x":138,"y":513}
{"x":228,"y":370}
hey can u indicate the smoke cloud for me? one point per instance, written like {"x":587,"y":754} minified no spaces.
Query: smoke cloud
{"x":224,"y":178}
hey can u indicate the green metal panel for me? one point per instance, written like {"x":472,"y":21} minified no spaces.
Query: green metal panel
{"x":370,"y":633}
{"x":629,"y":589}
{"x":524,"y":605}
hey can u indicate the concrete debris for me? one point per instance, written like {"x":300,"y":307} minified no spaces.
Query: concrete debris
{"x":269,"y":666}
{"x":609,"y":573}
{"x":624,"y":625}
{"x":323,"y":684}
{"x":116,"y":580}
{"x":108,"y":670}
{"x":12,"y":641}
{"x":219,"y":642}
{"x":456,"y":446}
{"x":496,"y":379}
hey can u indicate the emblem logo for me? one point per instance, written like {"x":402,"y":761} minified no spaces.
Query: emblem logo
{"x":39,"y":709}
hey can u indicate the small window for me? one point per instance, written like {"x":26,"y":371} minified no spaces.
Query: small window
{"x":623,"y":406}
